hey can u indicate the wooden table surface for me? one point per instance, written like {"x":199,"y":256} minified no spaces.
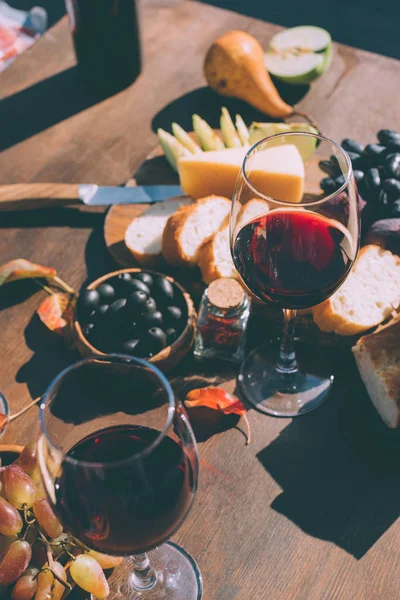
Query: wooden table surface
{"x":309,"y":510}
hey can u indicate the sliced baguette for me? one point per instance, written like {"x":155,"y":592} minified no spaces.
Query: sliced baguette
{"x":368,"y":296}
{"x":143,"y":236}
{"x":378,"y":360}
{"x":190,"y":226}
{"x":214,"y":257}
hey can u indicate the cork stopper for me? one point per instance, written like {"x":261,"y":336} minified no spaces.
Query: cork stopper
{"x":226,"y":293}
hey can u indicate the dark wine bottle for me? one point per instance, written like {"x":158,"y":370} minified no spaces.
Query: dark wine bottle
{"x":106,"y":36}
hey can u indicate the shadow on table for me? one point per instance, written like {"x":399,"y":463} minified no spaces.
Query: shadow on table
{"x":42,"y":105}
{"x":97,"y":258}
{"x":17,"y":292}
{"x":207,"y":103}
{"x":339,"y":471}
{"x":50,"y":356}
{"x":51,"y":217}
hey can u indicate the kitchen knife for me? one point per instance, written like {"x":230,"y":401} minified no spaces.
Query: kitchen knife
{"x":21,"y":196}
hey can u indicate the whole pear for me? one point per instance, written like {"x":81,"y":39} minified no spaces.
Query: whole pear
{"x":234,"y":66}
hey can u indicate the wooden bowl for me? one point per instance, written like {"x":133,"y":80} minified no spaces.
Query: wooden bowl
{"x":170,"y":356}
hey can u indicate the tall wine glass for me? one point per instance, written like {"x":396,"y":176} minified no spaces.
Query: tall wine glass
{"x":119,"y":464}
{"x":293,"y":247}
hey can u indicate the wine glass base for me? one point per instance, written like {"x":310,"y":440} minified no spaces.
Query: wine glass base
{"x":178,"y":577}
{"x":285,"y":394}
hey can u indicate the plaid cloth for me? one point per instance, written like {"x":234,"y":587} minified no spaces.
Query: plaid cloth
{"x":18,"y":31}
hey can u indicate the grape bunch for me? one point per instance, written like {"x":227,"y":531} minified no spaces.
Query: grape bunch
{"x":377,"y":172}
{"x":37,"y":559}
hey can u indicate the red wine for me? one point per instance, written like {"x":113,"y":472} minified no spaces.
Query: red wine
{"x":107,"y":41}
{"x":129,"y":507}
{"x":294,"y":258}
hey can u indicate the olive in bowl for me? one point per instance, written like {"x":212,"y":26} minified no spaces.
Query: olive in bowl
{"x":137,"y":312}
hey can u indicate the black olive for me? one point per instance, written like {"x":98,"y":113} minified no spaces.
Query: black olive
{"x":173,"y":314}
{"x":121,"y":283}
{"x":150,"y":306}
{"x":152,"y":319}
{"x":156,"y":339}
{"x":374,"y":154}
{"x":101,"y":311}
{"x":163,"y":289}
{"x":383,"y":205}
{"x":358,"y":176}
{"x":107,"y":292}
{"x":136,"y":284}
{"x":129,"y":346}
{"x":87,"y":330}
{"x":88,"y":301}
{"x":146,"y":278}
{"x":137,"y":300}
{"x":356,"y":160}
{"x":395,"y":209}
{"x":171,"y":335}
{"x":328,"y":168}
{"x":352,"y":146}
{"x":116,"y":308}
{"x":388,"y":137}
{"x":392,"y":165}
{"x":373,"y":181}
{"x":392,"y":186}
{"x":339,"y":181}
{"x":328,"y":185}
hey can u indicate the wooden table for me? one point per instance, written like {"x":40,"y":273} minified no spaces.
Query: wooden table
{"x":309,"y":510}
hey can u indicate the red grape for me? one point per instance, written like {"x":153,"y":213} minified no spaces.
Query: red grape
{"x":28,"y":461}
{"x":14,"y":562}
{"x":19,"y":487}
{"x":10,"y":519}
{"x":25,"y":587}
{"x":88,"y":574}
{"x":48,"y":588}
{"x":105,"y":560}
{"x":46,"y":518}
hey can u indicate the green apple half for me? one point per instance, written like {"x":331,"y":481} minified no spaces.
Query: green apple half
{"x":299,"y":55}
{"x":306,"y":145}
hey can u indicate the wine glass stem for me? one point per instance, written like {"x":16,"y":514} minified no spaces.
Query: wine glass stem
{"x":143,"y":576}
{"x":287,"y":362}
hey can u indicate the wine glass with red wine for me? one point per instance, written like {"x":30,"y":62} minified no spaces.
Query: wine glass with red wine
{"x":293,"y":246}
{"x":119,"y":464}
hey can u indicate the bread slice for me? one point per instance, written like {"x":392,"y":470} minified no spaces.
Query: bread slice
{"x":190,"y":226}
{"x":214,"y":258}
{"x":378,"y":360}
{"x":368,"y":296}
{"x":144,"y":235}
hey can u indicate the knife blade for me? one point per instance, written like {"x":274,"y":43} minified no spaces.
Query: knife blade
{"x":94,"y":195}
{"x":28,"y":196}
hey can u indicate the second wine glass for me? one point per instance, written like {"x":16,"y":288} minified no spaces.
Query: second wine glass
{"x":293,"y":246}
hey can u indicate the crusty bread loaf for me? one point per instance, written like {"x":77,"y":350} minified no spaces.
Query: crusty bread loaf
{"x":368,"y":296}
{"x":144,"y":235}
{"x":190,"y":226}
{"x":214,"y":257}
{"x":378,"y":360}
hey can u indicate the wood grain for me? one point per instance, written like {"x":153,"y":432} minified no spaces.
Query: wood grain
{"x":28,"y":196}
{"x":308,"y":511}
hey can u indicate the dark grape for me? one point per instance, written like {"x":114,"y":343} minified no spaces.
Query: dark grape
{"x":392,"y":186}
{"x":356,"y":160}
{"x":395,"y":209}
{"x":328,"y":168}
{"x":373,"y":181}
{"x":339,"y":181}
{"x":352,"y":146}
{"x":358,"y":176}
{"x":392,"y":165}
{"x":328,"y":185}
{"x":383,"y":205}
{"x":388,"y":137}
{"x":375,"y":154}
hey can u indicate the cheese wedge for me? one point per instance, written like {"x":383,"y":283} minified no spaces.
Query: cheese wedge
{"x":277,"y":172}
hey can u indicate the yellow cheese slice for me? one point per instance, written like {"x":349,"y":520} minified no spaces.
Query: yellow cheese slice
{"x":277,"y":172}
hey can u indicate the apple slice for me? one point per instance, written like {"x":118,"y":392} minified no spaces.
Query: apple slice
{"x":299,"y":55}
{"x":305,"y":145}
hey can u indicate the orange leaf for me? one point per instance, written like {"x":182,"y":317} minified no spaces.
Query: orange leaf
{"x":23,"y":269}
{"x":55,"y":312}
{"x":217,"y":399}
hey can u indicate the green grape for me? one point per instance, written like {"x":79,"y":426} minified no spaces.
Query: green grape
{"x":19,"y":488}
{"x":88,"y":574}
{"x":48,"y":588}
{"x":46,"y":518}
{"x":105,"y":560}
{"x":25,"y":586}
{"x":14,"y":562}
{"x":28,"y":461}
{"x":10,"y":519}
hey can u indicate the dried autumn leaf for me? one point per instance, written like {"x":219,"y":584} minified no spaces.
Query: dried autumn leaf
{"x":23,"y":269}
{"x":218,"y":399}
{"x":56,"y":311}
